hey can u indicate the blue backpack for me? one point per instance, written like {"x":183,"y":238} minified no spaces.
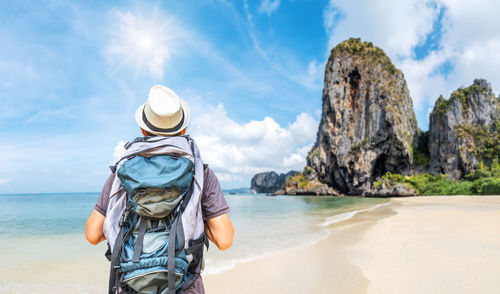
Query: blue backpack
{"x":149,"y":254}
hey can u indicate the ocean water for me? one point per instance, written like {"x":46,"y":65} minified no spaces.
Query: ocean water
{"x":43,"y":247}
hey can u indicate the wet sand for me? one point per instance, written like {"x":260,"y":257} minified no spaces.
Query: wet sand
{"x":437,"y":244}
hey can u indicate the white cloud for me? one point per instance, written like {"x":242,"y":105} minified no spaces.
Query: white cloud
{"x":314,"y":74}
{"x":4,"y":181}
{"x":479,"y":59}
{"x":396,"y":26}
{"x":236,"y":151}
{"x":269,"y":6}
{"x":471,"y":42}
{"x":227,"y":177}
{"x":143,"y":41}
{"x":422,"y":78}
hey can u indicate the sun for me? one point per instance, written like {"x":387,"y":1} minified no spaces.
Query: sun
{"x":143,"y":42}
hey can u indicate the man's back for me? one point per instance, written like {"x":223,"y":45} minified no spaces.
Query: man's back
{"x":214,"y":221}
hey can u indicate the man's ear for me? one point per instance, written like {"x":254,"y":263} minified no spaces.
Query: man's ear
{"x":183,"y":132}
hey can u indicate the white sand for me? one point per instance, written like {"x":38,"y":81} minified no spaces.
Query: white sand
{"x":53,"y":264}
{"x":445,"y":244}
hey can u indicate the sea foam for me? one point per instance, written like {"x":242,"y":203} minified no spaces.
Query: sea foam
{"x":348,"y":215}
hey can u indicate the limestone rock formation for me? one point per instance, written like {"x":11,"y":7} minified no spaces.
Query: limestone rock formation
{"x":368,"y":126}
{"x":269,"y":182}
{"x":388,"y":187}
{"x":306,"y":183}
{"x":464,"y":130}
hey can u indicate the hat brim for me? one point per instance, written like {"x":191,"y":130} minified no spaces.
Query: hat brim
{"x":140,"y":121}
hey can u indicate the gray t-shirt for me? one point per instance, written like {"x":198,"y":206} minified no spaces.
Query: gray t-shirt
{"x":213,"y":204}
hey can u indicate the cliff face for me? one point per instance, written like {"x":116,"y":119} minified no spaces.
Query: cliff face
{"x":464,"y":130}
{"x":269,"y":182}
{"x":368,"y":126}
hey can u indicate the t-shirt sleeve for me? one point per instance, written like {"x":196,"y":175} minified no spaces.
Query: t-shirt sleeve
{"x":213,"y":202}
{"x":102,"y":204}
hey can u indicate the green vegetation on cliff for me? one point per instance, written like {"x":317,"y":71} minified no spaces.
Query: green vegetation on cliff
{"x":357,"y":147}
{"x":461,"y":94}
{"x":441,"y":104}
{"x":365,"y":49}
{"x":301,"y":182}
{"x":484,"y":181}
{"x":486,"y":140}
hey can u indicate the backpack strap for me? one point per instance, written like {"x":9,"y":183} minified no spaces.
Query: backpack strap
{"x":186,"y":198}
{"x":176,"y":234}
{"x":114,"y":274}
{"x":196,"y":249}
{"x":115,"y":257}
{"x":136,"y":140}
{"x":140,"y":240}
{"x":197,"y":244}
{"x":107,"y":254}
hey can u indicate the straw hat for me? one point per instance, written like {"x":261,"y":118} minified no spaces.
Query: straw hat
{"x":164,"y":113}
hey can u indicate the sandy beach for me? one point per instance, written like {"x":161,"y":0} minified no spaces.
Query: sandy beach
{"x":437,"y":244}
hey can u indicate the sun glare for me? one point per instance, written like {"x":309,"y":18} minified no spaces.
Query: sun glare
{"x":143,"y":42}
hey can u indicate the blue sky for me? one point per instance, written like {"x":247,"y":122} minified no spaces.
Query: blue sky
{"x":72,"y":76}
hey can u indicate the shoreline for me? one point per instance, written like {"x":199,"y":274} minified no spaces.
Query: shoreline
{"x":274,"y":270}
{"x":384,"y":250}
{"x":323,"y":226}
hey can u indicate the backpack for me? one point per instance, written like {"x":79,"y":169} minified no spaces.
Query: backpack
{"x":150,"y":254}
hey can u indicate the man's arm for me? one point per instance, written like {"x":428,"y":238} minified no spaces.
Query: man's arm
{"x":93,"y":229}
{"x":218,"y":226}
{"x":220,"y":231}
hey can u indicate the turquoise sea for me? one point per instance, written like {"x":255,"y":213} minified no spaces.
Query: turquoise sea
{"x":43,"y":247}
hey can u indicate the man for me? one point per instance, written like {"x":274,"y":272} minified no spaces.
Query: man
{"x":165,"y":114}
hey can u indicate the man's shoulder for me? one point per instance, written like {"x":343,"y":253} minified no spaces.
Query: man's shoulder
{"x":209,"y":175}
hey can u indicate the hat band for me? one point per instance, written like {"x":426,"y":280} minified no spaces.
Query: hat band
{"x":156,"y":129}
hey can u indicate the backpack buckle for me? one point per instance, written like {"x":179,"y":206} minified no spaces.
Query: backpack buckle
{"x":122,"y":221}
{"x":123,"y":218}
